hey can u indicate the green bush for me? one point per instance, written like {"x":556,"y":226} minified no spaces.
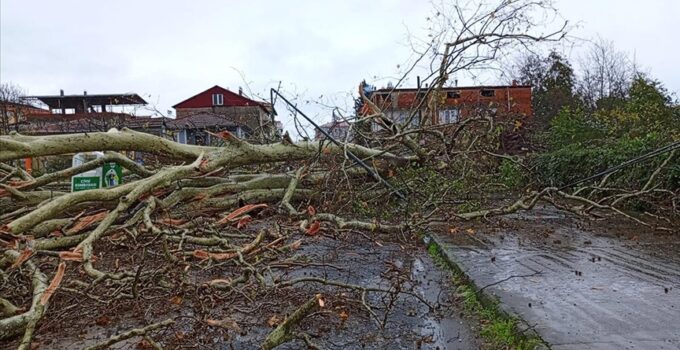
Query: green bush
{"x":582,"y":144}
{"x":512,"y":174}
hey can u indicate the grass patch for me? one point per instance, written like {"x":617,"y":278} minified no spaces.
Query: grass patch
{"x":499,"y":330}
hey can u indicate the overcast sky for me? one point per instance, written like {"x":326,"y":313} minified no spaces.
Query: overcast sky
{"x":170,"y":50}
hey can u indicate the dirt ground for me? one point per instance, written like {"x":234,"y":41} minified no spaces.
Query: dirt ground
{"x":415,"y":309}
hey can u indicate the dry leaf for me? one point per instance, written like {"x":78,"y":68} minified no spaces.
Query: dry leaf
{"x":56,"y":281}
{"x":177,"y":300}
{"x":145,"y":345}
{"x":470,"y":231}
{"x":243,"y":221}
{"x":313,"y":228}
{"x":343,"y":315}
{"x":311,"y":210}
{"x":226,"y":323}
{"x":274,"y":321}
{"x":295,"y":245}
{"x":102,"y":320}
{"x":321,"y":300}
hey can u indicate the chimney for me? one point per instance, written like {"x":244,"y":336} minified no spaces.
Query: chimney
{"x":240,"y":91}
{"x":85,"y":93}
{"x":418,"y":82}
{"x":514,"y":82}
{"x":456,"y":82}
{"x":61,"y":92}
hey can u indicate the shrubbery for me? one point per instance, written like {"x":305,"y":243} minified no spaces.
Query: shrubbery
{"x":582,"y":143}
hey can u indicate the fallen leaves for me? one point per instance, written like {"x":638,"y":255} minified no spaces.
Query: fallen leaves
{"x":311,"y":210}
{"x":54,"y":284}
{"x":243,"y":221}
{"x":274,"y":321}
{"x":313,"y":229}
{"x":295,"y":245}
{"x":176,"y":300}
{"x":343,"y":315}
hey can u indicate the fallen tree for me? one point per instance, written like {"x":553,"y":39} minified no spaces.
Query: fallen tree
{"x":163,"y":233}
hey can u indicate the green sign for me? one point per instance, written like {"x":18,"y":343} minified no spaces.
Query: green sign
{"x":112,"y":175}
{"x":85,"y":183}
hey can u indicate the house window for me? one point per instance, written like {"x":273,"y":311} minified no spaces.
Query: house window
{"x":448,"y":116}
{"x":488,"y":93}
{"x":453,"y":94}
{"x":182,"y":137}
{"x":217,"y":99}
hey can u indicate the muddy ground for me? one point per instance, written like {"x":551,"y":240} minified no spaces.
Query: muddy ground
{"x":80,"y":317}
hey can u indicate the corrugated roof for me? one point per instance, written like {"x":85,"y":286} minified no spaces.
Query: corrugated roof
{"x":76,"y":101}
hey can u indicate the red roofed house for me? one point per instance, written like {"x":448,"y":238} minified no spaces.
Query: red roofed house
{"x":232,"y":108}
{"x":456,"y":103}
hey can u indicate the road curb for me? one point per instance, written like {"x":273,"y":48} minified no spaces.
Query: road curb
{"x":485,"y":298}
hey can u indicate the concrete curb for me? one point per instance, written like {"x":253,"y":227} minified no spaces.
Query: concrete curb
{"x":485,"y":298}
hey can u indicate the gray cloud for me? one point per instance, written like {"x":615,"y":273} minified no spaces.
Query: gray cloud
{"x":174,"y":49}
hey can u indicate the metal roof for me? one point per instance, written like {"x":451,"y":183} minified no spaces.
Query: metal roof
{"x":76,"y":101}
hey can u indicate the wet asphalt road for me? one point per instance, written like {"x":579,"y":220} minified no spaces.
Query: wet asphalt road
{"x":589,"y":285}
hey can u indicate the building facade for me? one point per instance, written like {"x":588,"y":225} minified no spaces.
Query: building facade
{"x":253,"y":115}
{"x":453,"y":104}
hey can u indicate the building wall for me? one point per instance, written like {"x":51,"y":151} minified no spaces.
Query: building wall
{"x":507,"y":101}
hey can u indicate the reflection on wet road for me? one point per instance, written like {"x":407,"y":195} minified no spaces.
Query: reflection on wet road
{"x":599,"y":285}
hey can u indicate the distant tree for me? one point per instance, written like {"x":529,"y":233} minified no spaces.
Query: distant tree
{"x":11,"y":105}
{"x":553,"y":82}
{"x":648,"y":108}
{"x":606,"y":75}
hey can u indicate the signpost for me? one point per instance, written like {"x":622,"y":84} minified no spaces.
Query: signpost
{"x":109,"y":175}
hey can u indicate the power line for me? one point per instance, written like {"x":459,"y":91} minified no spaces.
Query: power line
{"x":351,"y":155}
{"x":636,"y":160}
